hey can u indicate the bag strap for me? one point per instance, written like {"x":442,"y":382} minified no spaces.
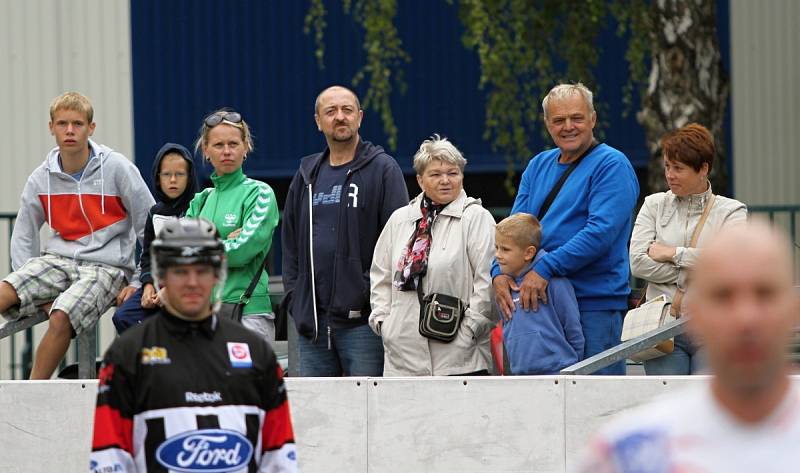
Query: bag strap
{"x":419,"y":290}
{"x":556,"y":188}
{"x":245,"y":299}
{"x":677,"y":300}
{"x":643,"y":296}
{"x":420,"y":295}
{"x":703,"y":218}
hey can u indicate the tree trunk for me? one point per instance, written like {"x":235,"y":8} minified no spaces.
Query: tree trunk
{"x":687,"y":83}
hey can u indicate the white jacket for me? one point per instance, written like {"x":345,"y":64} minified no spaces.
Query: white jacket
{"x":671,"y":220}
{"x":458,"y":265}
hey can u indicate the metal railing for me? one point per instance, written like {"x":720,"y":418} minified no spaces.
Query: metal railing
{"x":786,"y":216}
{"x":625,"y":350}
{"x":85,"y":344}
{"x":773,"y":211}
{"x":85,"y":348}
{"x":27,"y":353}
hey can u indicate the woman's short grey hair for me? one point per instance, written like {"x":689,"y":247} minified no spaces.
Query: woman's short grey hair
{"x":563,"y":91}
{"x":437,"y":148}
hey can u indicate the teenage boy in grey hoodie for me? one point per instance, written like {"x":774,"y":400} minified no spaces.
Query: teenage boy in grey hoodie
{"x":96,"y":203}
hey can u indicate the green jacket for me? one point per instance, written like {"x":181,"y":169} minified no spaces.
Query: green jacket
{"x":237,"y":201}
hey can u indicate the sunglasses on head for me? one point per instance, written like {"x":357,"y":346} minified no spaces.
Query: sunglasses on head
{"x":217,"y":118}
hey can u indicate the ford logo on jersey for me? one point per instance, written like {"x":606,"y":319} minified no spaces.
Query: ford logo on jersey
{"x":207,"y":450}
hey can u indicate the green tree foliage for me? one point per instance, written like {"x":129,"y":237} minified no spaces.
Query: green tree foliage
{"x":524,"y":47}
{"x":384,"y":51}
{"x":634,"y":18}
{"x":315,"y":19}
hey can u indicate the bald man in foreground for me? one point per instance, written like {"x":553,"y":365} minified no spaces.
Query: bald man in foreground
{"x":743,"y":308}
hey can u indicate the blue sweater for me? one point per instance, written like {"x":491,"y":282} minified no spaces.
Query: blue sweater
{"x":546,"y":341}
{"x":587,"y":229}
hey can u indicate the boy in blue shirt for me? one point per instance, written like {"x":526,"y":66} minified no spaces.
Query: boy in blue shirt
{"x":546,"y":341}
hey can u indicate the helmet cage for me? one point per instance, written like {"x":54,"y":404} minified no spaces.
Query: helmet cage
{"x":189,"y":241}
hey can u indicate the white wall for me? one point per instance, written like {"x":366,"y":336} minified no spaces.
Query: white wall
{"x":51,"y":46}
{"x":46,"y":425}
{"x":48,"y":47}
{"x":366,"y":425}
{"x":765,"y":71}
{"x":453,"y":425}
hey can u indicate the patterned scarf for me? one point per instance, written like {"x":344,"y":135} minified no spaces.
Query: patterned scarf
{"x":413,"y":260}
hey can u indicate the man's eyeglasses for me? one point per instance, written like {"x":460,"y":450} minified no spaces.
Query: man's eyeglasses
{"x":215,"y":119}
{"x":170,"y":175}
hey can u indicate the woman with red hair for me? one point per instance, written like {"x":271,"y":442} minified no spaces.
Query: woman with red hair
{"x":671,"y":228}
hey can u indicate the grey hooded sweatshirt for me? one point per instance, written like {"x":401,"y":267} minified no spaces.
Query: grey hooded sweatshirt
{"x":96,"y":219}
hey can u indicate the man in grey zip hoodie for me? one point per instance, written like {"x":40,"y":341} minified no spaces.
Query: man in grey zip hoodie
{"x":96,"y":202}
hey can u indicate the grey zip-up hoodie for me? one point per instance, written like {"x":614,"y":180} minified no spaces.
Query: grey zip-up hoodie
{"x":97,"y":219}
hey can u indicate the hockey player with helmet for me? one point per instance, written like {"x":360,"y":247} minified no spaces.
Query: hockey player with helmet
{"x":186,"y":390}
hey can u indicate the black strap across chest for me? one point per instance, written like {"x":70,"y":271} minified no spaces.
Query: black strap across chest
{"x":556,"y":188}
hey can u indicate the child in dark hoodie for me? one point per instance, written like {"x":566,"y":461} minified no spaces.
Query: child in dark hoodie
{"x":175,"y":184}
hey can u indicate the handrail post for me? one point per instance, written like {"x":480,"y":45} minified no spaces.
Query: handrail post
{"x":87,"y":350}
{"x":27,"y":354}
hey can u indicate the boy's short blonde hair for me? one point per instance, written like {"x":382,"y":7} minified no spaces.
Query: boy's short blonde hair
{"x":72,"y":101}
{"x":524,"y":229}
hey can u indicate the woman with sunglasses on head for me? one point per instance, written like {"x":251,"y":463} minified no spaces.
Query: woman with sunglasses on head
{"x":245,"y":213}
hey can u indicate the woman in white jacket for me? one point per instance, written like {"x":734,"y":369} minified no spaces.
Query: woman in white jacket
{"x":446,"y":239}
{"x":660,"y":250}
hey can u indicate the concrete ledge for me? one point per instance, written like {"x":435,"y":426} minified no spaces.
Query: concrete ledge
{"x":46,"y":425}
{"x":442,"y":424}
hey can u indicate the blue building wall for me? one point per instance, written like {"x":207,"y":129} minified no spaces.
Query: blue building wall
{"x":193,"y":56}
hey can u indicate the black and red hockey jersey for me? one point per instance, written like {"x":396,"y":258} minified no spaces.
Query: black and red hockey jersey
{"x":191,"y":397}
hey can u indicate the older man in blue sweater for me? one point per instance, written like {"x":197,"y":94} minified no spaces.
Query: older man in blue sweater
{"x":585,"y":225}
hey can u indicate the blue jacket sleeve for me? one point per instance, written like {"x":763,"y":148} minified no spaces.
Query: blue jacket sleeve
{"x":612,"y":197}
{"x":394,"y":196}
{"x":289,"y":227}
{"x":566,"y":306}
{"x":395,"y":193}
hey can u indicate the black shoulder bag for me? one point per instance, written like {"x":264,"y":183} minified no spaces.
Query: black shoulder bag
{"x":556,"y":188}
{"x":238,"y":308}
{"x":439,"y":315}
